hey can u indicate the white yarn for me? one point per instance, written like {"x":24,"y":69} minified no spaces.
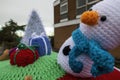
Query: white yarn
{"x":34,"y":26}
{"x":63,"y":61}
{"x":106,"y":33}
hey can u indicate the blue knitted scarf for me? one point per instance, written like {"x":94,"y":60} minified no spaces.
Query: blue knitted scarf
{"x":103,"y":60}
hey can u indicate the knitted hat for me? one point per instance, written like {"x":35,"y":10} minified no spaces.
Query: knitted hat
{"x":34,"y":25}
{"x":102,"y":24}
{"x":41,"y":43}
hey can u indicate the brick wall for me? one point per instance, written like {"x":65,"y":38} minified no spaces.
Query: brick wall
{"x":71,"y":9}
{"x":61,"y":34}
{"x":57,"y":14}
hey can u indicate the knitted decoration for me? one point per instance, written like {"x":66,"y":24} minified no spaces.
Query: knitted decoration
{"x":23,"y":55}
{"x":68,"y":77}
{"x":85,"y":58}
{"x":85,"y":53}
{"x":42,"y":43}
{"x":45,"y":68}
{"x":107,"y":30}
{"x":34,"y":25}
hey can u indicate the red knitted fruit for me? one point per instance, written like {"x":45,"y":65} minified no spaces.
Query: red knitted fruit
{"x":23,"y":58}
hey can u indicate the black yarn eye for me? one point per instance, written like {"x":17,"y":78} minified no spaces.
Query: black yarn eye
{"x":103,"y":18}
{"x":66,"y":50}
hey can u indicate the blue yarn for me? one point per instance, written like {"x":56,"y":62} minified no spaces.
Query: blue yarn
{"x":76,"y":66}
{"x":40,"y":45}
{"x":49,"y":47}
{"x":79,"y":39}
{"x":103,"y":60}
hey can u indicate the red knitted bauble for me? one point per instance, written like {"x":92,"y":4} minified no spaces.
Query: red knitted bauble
{"x":23,"y":58}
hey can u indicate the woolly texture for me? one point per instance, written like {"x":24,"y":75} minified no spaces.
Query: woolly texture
{"x":23,"y":57}
{"x":103,"y":61}
{"x":11,"y":50}
{"x":90,"y":18}
{"x":115,"y":75}
{"x":86,"y":58}
{"x":63,"y":60}
{"x":68,"y":77}
{"x":107,"y":31}
{"x":45,"y":68}
{"x":34,"y":25}
{"x":42,"y":43}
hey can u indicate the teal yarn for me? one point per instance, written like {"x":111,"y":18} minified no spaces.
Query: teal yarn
{"x":76,"y":66}
{"x":45,"y":68}
{"x":103,"y":60}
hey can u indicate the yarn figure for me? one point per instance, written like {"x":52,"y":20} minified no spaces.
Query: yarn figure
{"x":85,"y":53}
{"x":23,"y":55}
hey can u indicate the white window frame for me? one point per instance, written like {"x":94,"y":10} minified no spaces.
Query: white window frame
{"x":64,"y":1}
{"x":80,"y":6}
{"x":92,"y":2}
{"x":63,"y":4}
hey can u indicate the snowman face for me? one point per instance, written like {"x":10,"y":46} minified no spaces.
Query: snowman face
{"x":106,"y":31}
{"x":63,"y":60}
{"x":63,"y":55}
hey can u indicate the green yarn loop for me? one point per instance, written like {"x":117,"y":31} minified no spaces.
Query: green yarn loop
{"x":45,"y":68}
{"x":23,"y":46}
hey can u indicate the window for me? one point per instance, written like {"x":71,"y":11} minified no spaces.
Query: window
{"x":63,"y":7}
{"x":91,"y":0}
{"x":90,"y":3}
{"x":80,"y":3}
{"x":63,"y":1}
{"x":83,"y":5}
{"x":81,"y":10}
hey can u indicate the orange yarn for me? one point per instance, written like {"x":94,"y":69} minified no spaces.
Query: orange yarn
{"x":28,"y":78}
{"x":90,"y":18}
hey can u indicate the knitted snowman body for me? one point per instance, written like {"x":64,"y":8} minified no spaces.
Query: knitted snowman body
{"x":85,"y":54}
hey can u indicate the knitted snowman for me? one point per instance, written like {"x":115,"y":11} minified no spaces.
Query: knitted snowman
{"x":85,"y":53}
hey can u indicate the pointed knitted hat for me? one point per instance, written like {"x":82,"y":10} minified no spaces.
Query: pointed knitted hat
{"x":34,"y":25}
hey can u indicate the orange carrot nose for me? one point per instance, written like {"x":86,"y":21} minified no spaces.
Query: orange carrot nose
{"x":90,"y":18}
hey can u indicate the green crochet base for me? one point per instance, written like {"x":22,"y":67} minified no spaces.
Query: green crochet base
{"x":45,"y":68}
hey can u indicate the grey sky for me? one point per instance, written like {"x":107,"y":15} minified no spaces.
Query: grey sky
{"x":20,"y":10}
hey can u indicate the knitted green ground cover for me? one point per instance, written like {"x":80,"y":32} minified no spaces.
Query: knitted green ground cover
{"x":45,"y":68}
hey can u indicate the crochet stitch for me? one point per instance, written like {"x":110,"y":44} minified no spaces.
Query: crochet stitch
{"x":23,"y":55}
{"x":45,"y":68}
{"x":42,"y":43}
{"x":87,"y":47}
{"x":106,"y":31}
{"x":34,"y":25}
{"x":103,"y":61}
